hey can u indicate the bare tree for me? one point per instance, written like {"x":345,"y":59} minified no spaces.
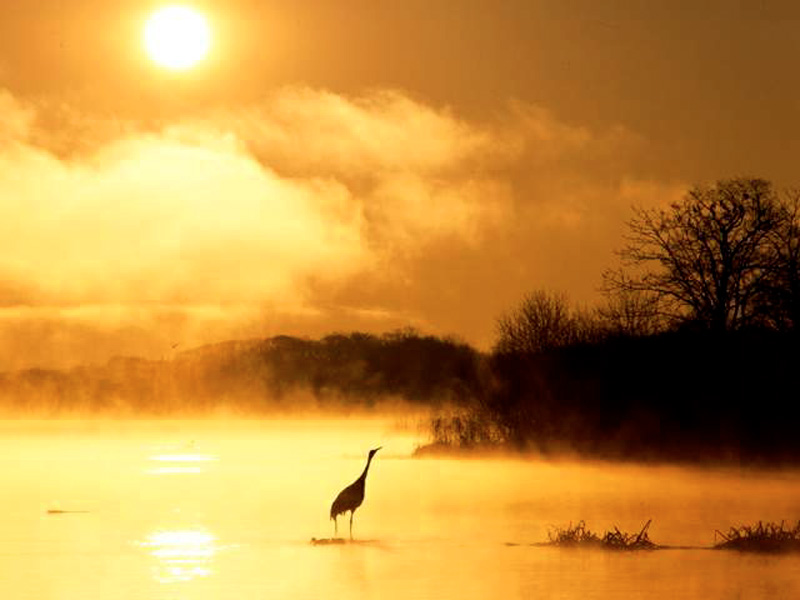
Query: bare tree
{"x":542,"y":321}
{"x":707,"y":258}
{"x":631,"y":312}
{"x":782,"y":301}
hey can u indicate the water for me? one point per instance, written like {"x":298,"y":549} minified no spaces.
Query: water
{"x":203,"y":510}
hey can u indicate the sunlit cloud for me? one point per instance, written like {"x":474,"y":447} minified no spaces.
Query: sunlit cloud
{"x":308,"y":131}
{"x":307,"y":212}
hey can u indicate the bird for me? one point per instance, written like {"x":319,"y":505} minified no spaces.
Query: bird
{"x":351,"y":497}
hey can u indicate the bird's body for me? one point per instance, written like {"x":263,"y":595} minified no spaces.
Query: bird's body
{"x":351,"y":497}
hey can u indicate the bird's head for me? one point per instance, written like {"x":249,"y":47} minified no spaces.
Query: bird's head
{"x":374,"y":450}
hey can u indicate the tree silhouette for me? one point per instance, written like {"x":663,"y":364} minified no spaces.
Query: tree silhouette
{"x":542,"y":321}
{"x":630,"y":312}
{"x":782,"y":303}
{"x":707,"y":259}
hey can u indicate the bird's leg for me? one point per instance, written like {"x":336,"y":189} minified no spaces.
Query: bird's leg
{"x":335,"y":527}
{"x":351,"y":525}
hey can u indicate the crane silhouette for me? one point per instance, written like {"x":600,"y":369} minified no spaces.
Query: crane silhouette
{"x":351,"y":497}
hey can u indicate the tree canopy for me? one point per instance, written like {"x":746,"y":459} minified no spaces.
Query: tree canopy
{"x":713,"y":258}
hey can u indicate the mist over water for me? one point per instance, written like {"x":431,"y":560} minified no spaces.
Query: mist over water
{"x":222,"y":509}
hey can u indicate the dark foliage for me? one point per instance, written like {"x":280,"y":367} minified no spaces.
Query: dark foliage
{"x":677,"y":395}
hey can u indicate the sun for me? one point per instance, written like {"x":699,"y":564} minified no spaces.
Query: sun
{"x":177,"y":37}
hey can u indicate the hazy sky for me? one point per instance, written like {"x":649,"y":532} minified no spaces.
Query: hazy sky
{"x":350,"y":164}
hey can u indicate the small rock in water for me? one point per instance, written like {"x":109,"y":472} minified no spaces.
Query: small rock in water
{"x":325,"y":541}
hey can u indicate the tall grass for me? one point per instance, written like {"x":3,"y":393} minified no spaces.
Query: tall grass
{"x":761,"y":537}
{"x":580,"y":535}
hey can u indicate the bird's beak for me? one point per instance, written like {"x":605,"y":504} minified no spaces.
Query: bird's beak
{"x":378,"y":448}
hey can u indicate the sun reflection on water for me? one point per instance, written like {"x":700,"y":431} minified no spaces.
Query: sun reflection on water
{"x":182,"y":555}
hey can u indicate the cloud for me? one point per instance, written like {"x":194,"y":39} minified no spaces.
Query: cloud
{"x":308,"y":212}
{"x":15,"y":119}
{"x":150,"y":219}
{"x":305,"y":131}
{"x":235,"y":212}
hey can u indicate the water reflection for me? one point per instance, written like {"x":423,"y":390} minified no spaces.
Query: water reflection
{"x":241,"y":527}
{"x":181,"y":555}
{"x":180,"y":463}
{"x":183,"y":457}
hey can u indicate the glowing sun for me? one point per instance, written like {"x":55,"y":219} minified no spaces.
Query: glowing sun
{"x":177,"y":37}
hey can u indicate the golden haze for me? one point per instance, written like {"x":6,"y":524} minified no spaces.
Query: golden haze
{"x":318,"y":181}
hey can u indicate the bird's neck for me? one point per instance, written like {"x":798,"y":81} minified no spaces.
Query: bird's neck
{"x":366,"y":469}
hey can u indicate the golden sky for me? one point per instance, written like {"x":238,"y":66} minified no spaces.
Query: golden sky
{"x":349,"y":164}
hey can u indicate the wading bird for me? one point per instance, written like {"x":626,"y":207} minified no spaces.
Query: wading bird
{"x":351,"y":497}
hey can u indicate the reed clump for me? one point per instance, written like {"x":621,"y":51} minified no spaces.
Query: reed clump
{"x":580,"y":535}
{"x":577,"y":535}
{"x":761,"y":537}
{"x":462,"y":430}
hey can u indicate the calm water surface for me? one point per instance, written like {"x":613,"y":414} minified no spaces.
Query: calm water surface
{"x":226,"y":510}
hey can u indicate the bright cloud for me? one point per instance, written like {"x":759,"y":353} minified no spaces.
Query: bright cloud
{"x":310,"y":211}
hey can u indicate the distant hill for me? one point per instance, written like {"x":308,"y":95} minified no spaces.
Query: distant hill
{"x":354,"y":370}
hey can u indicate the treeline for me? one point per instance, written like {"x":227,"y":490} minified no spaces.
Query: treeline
{"x":356,"y":370}
{"x":694,"y":354}
{"x":679,"y":394}
{"x":569,"y":380}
